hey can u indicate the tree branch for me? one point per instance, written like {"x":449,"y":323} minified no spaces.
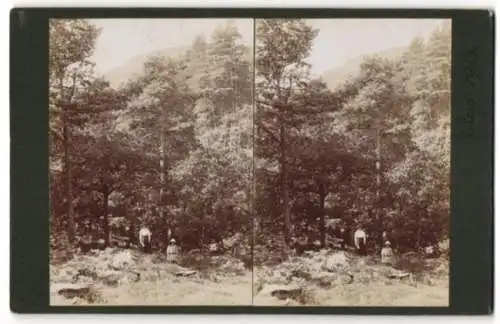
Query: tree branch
{"x":268,"y":131}
{"x":290,"y":108}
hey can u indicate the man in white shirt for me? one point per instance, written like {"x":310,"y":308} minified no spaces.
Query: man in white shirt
{"x":145,"y":239}
{"x":360,"y":240}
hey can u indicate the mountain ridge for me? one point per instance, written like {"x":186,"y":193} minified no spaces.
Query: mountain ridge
{"x":134,"y":66}
{"x":333,"y":77}
{"x":336,"y":76}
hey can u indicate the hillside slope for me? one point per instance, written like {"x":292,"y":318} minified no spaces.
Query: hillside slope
{"x":337,"y":76}
{"x":135,"y":65}
{"x":333,"y":78}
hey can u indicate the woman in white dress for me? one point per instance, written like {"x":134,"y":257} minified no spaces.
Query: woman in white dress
{"x":145,"y":239}
{"x":360,"y":240}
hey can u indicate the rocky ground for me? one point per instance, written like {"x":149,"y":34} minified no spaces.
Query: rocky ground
{"x":128,"y":277}
{"x":343,"y":279}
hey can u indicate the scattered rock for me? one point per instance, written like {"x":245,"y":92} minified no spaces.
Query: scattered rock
{"x":185,"y":273}
{"x":276,"y":277}
{"x":325,"y":280}
{"x":122,"y":260}
{"x":396,"y":274}
{"x":72,"y":291}
{"x":281,"y":291}
{"x":336,"y":262}
{"x":229,"y":265}
{"x":300,"y":273}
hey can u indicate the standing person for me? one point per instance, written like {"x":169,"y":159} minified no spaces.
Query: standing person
{"x":145,"y":239}
{"x":360,"y":240}
{"x":172,"y":252}
{"x":386,"y":253}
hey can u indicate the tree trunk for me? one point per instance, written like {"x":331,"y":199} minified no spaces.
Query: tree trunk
{"x":163,"y":220}
{"x":133,"y":224}
{"x":107,"y":234}
{"x":378,"y":214}
{"x":377,"y":167}
{"x":284,"y":185}
{"x":322,"y":227}
{"x":67,"y":164}
{"x":69,"y":184}
{"x":418,"y":236}
{"x":202,"y":234}
{"x":284,"y":167}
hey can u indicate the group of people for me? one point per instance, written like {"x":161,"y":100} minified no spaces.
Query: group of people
{"x":360,"y":239}
{"x":145,"y":240}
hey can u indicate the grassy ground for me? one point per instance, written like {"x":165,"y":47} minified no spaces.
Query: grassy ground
{"x":374,"y":294}
{"x":231,"y":291}
{"x":239,"y":292}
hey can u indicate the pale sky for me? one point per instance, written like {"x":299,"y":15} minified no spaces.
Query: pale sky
{"x":123,"y":39}
{"x":338,"y":41}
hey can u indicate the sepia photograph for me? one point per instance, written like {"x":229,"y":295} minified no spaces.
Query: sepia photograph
{"x":352,"y":162}
{"x":264,"y":162}
{"x":151,"y":154}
